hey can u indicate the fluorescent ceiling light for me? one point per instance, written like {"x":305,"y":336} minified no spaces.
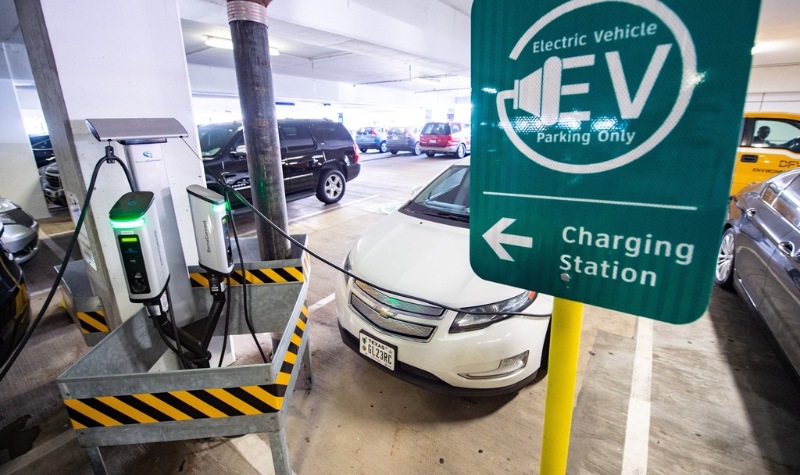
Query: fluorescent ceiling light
{"x":225,"y":43}
{"x":216,"y":42}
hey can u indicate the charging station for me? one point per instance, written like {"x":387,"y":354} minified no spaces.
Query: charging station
{"x":153,"y":378}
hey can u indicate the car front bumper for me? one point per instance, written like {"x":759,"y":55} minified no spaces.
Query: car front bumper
{"x":442,"y":363}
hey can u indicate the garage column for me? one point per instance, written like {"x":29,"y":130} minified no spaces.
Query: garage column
{"x":19,"y":181}
{"x":99,"y":59}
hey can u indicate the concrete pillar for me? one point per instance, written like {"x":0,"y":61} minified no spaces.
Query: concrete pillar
{"x":19,"y":181}
{"x":101,"y":59}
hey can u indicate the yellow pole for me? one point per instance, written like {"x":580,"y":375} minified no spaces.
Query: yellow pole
{"x":565,"y":342}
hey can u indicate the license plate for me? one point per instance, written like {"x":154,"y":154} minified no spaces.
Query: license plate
{"x":376,"y":350}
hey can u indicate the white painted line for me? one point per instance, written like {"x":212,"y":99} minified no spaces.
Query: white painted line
{"x":637,"y":432}
{"x":69,"y":231}
{"x":254,"y":451}
{"x":587,"y":200}
{"x":39,"y":292}
{"x":300,"y":218}
{"x":57,"y":250}
{"x":47,"y":450}
{"x":330,"y":298}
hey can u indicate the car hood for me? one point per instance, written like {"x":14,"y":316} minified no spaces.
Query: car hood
{"x":428,"y":260}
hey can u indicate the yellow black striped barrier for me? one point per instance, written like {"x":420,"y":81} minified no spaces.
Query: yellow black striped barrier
{"x":183,"y":405}
{"x":93,"y":322}
{"x":279,"y":275}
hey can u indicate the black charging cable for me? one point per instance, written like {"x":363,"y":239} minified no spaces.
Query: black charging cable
{"x":108,"y":158}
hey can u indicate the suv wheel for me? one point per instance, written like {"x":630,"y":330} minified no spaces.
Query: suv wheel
{"x":363,"y":150}
{"x":430,"y":153}
{"x":394,"y":152}
{"x":331,"y":186}
{"x":461,"y":151}
{"x":417,"y":150}
{"x":383,"y":149}
{"x":723,"y":276}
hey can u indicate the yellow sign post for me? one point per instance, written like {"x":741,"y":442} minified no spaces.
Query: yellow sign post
{"x":565,"y":342}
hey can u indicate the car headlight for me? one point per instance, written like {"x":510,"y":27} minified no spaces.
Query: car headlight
{"x":348,"y":267}
{"x":475,"y":318}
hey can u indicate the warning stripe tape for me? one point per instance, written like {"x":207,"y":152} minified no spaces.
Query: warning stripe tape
{"x":93,"y":322}
{"x":209,"y":403}
{"x":279,"y":275}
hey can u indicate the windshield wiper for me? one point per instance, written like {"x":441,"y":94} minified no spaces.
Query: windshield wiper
{"x":444,"y":214}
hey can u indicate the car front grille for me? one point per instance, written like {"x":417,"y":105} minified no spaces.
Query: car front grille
{"x":386,"y":321}
{"x":405,"y":306}
{"x":53,"y":180}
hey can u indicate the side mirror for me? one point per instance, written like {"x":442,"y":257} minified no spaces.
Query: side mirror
{"x":415,"y":190}
{"x":239,"y":153}
{"x":2,"y":228}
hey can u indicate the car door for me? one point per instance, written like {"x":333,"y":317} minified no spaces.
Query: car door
{"x":298,"y":155}
{"x":780,"y":306}
{"x":759,"y":231}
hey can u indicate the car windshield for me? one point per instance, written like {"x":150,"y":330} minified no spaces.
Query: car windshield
{"x":364,"y":131}
{"x":446,"y":197}
{"x":214,"y":137}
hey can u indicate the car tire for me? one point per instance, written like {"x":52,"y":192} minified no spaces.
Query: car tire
{"x":331,"y":186}
{"x":417,"y":150}
{"x":723,"y":276}
{"x":430,"y":153}
{"x":461,"y":151}
{"x":394,"y":152}
{"x":363,"y":150}
{"x":383,"y":146}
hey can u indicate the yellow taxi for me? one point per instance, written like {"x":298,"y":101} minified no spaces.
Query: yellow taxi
{"x":769,"y":145}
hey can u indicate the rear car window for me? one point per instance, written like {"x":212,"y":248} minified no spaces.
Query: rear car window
{"x":397,"y":131}
{"x":296,"y":136}
{"x":364,"y":131}
{"x":436,"y":128}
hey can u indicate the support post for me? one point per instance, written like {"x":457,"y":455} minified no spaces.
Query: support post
{"x":565,"y":342}
{"x":248,"y":22}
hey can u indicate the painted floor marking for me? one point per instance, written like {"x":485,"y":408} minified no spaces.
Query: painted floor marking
{"x":637,"y":432}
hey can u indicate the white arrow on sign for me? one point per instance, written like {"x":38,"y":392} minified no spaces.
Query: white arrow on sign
{"x":495,"y":237}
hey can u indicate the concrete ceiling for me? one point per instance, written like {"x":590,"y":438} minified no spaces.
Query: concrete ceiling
{"x":322,"y":55}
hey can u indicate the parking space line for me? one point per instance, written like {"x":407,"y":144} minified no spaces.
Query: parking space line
{"x":637,"y":431}
{"x":330,"y":298}
{"x":48,"y":241}
{"x":300,"y":218}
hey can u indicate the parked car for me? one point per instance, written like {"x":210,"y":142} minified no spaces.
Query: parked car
{"x":20,"y":231}
{"x":42,"y":150}
{"x":403,"y":139}
{"x":449,"y":138}
{"x":318,"y":156}
{"x":760,"y":256}
{"x":422,"y":250}
{"x":51,"y":185}
{"x":769,"y":144}
{"x":371,"y":137}
{"x":15,"y":306}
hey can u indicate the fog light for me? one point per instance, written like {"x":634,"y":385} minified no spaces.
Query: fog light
{"x":506,"y":367}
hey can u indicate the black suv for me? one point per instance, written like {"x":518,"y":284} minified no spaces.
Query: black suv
{"x":318,"y":157}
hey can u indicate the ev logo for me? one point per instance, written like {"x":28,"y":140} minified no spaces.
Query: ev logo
{"x":603,"y":95}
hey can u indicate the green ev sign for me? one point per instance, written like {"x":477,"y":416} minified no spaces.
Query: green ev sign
{"x":604,"y":134}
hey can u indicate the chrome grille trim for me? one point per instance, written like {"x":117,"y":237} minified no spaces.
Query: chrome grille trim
{"x":418,"y":310}
{"x":389,"y":325}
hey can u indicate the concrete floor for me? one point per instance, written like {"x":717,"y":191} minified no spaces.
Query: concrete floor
{"x":708,"y":397}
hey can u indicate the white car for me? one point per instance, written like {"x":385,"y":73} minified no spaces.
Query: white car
{"x":414,"y":263}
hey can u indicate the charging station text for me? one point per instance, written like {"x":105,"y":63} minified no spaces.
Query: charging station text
{"x":630,"y":246}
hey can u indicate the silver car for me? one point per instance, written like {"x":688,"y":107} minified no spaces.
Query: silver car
{"x":20,"y":233}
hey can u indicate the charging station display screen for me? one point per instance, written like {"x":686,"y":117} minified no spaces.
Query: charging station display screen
{"x":130,"y":248}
